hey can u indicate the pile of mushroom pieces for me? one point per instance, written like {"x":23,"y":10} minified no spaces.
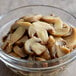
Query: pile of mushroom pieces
{"x":39,"y":38}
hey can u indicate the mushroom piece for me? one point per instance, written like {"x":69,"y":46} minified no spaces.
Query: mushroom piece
{"x":20,"y":23}
{"x":60,"y":28}
{"x":63,"y":31}
{"x":18,"y":51}
{"x":43,"y":35}
{"x":53,"y":20}
{"x":29,"y":43}
{"x":41,"y":29}
{"x":38,"y":49}
{"x":32,"y":18}
{"x":62,"y":50}
{"x":51,"y":41}
{"x":17,"y":35}
{"x":14,"y":55}
{"x":60,"y":41}
{"x":22,"y":40}
{"x":71,"y":39}
{"x":46,"y":55}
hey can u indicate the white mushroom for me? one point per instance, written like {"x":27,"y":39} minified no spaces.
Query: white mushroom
{"x":38,"y":49}
{"x":17,"y":35}
{"x":61,"y":51}
{"x":41,"y":29}
{"x":55,"y":20}
{"x":19,"y":51}
{"x":71,"y":39}
{"x":29,"y":43}
{"x":46,"y":55}
{"x":60,"y":28}
{"x":32,"y":18}
{"x":43,"y":35}
{"x":62,"y":31}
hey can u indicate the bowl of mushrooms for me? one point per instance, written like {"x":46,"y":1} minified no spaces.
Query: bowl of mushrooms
{"x":37,"y":40}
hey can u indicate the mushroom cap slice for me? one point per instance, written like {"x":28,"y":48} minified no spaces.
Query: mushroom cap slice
{"x":40,"y":28}
{"x":43,"y":35}
{"x":61,"y":51}
{"x":20,"y":23}
{"x":17,"y":35}
{"x":37,"y":26}
{"x":55,"y":20}
{"x":60,"y":41}
{"x":71,"y":39}
{"x":18,"y":51}
{"x":46,"y":55}
{"x":32,"y":18}
{"x":29,"y":43}
{"x":38,"y":49}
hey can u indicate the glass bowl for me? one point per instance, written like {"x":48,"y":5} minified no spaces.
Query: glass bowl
{"x":35,"y":68}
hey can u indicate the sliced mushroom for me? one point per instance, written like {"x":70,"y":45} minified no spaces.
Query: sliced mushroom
{"x":60,"y":41}
{"x":22,"y":40}
{"x":61,"y":51}
{"x":51,"y":41}
{"x":53,"y":51}
{"x":4,"y":45}
{"x":18,"y":51}
{"x":65,"y":49}
{"x":55,"y":20}
{"x":71,"y":39}
{"x":29,"y":43}
{"x":46,"y":55}
{"x":62,"y":32}
{"x":17,"y":35}
{"x":43,"y":35}
{"x":20,"y":23}
{"x":32,"y":18}
{"x":38,"y":49}
{"x":25,"y":24}
{"x":41,"y":29}
{"x":14,"y":55}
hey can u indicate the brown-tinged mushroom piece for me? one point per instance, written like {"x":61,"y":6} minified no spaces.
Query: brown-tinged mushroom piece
{"x":60,"y":28}
{"x":61,"y":51}
{"x":17,"y":35}
{"x":22,"y":40}
{"x":19,"y":51}
{"x":46,"y":55}
{"x":8,"y":49}
{"x":32,"y":18}
{"x":20,"y":23}
{"x":41,"y":29}
{"x":38,"y":49}
{"x":53,"y":20}
{"x":14,"y":55}
{"x":5,"y":46}
{"x":71,"y":39}
{"x":60,"y":41}
{"x":29,"y":43}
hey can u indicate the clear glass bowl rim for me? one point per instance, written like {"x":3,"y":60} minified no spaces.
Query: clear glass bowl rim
{"x":26,"y":61}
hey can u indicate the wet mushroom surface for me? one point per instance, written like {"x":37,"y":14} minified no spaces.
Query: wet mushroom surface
{"x":40,"y":38}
